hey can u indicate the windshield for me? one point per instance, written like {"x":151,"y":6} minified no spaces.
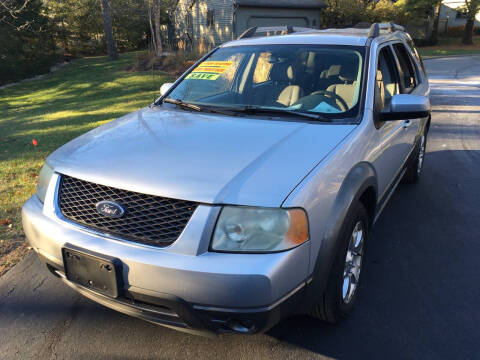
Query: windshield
{"x":316,"y":79}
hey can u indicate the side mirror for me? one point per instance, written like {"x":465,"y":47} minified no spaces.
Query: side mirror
{"x":164,"y":88}
{"x":406,"y":106}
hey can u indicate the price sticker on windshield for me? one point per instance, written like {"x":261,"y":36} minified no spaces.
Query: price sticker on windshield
{"x":202,"y":76}
{"x":209,"y":70}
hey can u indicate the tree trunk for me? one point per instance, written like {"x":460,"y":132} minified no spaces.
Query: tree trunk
{"x":468,"y":32}
{"x":107,"y":25}
{"x":152,"y":32}
{"x":436,"y":21}
{"x":158,"y":38}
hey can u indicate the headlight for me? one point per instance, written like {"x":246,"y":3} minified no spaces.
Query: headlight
{"x":249,"y":229}
{"x":43,"y":181}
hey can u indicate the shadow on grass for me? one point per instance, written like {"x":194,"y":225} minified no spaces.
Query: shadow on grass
{"x":78,"y":97}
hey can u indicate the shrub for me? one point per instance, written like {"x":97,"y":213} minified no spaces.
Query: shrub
{"x":456,"y":31}
{"x":387,"y":11}
{"x":175,"y":64}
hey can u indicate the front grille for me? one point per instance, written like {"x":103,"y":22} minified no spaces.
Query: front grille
{"x":148,"y":219}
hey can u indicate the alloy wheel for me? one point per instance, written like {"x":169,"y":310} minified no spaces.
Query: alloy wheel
{"x":353,"y":262}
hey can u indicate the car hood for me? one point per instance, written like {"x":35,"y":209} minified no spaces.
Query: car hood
{"x":201,"y":157}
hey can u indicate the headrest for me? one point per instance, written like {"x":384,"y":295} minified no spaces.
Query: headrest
{"x":334,"y":70}
{"x":282,"y":72}
{"x":290,"y":72}
{"x":380,"y":89}
{"x":348,"y":72}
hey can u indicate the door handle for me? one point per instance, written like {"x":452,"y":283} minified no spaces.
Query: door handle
{"x":406,"y":123}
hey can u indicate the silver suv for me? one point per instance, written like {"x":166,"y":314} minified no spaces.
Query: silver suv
{"x":247,"y":191}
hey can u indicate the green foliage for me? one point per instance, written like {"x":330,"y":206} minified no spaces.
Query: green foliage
{"x":350,"y":12}
{"x":26,"y":44}
{"x":79,"y":25}
{"x":340,"y":13}
{"x":421,"y":8}
{"x":37,"y":33}
{"x":53,"y":110}
{"x":387,"y":11}
{"x":472,"y":7}
{"x":130,"y":23}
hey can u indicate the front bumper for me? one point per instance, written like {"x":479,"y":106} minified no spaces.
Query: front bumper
{"x":184,"y":285}
{"x":173,"y":312}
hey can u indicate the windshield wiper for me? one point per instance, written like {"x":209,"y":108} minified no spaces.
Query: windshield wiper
{"x":182,"y":104}
{"x":199,"y":108}
{"x":254,"y":109}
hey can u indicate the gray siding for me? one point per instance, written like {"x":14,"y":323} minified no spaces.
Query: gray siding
{"x":229,"y":22}
{"x":262,"y":16}
{"x":450,"y":15}
{"x":220,"y":32}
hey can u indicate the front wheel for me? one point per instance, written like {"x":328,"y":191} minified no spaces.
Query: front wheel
{"x":342,"y":287}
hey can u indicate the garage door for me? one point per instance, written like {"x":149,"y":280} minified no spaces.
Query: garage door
{"x":276,"y":21}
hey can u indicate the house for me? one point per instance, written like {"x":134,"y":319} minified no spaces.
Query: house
{"x":452,"y":14}
{"x":211,"y":22}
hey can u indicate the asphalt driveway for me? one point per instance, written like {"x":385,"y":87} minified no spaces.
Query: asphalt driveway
{"x":419,"y":299}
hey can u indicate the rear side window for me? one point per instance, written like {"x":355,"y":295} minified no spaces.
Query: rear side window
{"x":408,"y":72}
{"x":414,"y":50}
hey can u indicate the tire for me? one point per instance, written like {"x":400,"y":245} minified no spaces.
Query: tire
{"x":338,"y":299}
{"x":414,"y":170}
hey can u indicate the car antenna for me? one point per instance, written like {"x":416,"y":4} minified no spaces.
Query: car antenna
{"x":153,"y":83}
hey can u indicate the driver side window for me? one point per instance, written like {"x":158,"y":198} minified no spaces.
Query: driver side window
{"x":386,"y":83}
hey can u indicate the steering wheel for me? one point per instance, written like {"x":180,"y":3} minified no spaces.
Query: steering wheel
{"x":333,"y":96}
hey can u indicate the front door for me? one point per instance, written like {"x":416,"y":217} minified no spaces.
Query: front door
{"x":391,"y":136}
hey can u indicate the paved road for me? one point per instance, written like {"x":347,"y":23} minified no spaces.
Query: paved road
{"x":420,"y":296}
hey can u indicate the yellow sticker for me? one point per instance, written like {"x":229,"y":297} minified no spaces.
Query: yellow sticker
{"x":209,"y":70}
{"x":216,"y":70}
{"x":202,"y":76}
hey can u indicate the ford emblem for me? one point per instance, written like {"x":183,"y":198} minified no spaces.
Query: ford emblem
{"x":110,"y":209}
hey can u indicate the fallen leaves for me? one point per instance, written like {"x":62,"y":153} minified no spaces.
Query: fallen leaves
{"x":7,"y":223}
{"x":11,"y":252}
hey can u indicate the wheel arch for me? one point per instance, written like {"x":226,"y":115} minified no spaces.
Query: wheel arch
{"x":360,"y":185}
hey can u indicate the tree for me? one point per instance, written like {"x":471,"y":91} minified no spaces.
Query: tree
{"x":107,"y":25}
{"x":339,"y":13}
{"x":12,"y":9}
{"x":155,"y":21}
{"x":472,"y":7}
{"x":158,"y":38}
{"x":422,"y":8}
{"x":436,"y":22}
{"x":26,"y":44}
{"x":387,"y":11}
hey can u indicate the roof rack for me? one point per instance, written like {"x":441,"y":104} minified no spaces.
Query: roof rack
{"x":377,"y":27}
{"x":270,"y":31}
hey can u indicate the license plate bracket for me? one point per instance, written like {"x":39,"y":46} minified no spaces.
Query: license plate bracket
{"x":97,"y":272}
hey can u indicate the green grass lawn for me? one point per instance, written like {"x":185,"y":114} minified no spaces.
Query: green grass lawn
{"x":81,"y":96}
{"x":448,"y":46}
